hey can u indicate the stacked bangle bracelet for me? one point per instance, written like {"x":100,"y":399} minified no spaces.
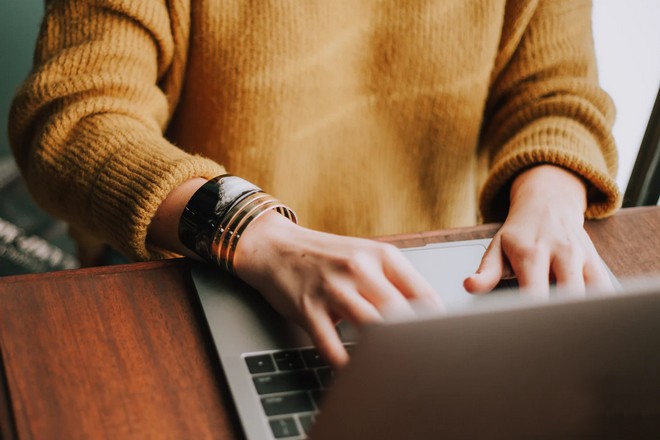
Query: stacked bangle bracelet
{"x":218,"y":213}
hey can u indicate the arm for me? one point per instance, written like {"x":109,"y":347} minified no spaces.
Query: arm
{"x":313,"y":278}
{"x":87,"y":131}
{"x":546,"y":108}
{"x":87,"y":125}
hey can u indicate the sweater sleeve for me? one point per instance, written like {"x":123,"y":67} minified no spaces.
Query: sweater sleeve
{"x":87,"y":125}
{"x":545,"y":106}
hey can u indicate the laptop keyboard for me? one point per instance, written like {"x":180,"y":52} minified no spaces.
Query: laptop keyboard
{"x":290,"y":385}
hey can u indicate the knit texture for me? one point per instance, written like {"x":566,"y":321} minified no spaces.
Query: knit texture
{"x":366,"y":117}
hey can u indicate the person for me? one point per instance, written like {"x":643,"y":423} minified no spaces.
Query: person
{"x":365,"y":118}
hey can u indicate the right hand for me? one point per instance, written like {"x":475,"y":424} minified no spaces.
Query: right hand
{"x":317,"y":279}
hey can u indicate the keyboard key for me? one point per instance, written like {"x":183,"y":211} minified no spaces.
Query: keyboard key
{"x":288,"y":360}
{"x":317,"y":395}
{"x":287,"y":404}
{"x":260,"y":364}
{"x":313,"y":359}
{"x":326,"y":376}
{"x":508,"y":283}
{"x":283,"y":427}
{"x":282,"y":382}
{"x":306,"y":421}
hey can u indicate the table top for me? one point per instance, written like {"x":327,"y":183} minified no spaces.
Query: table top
{"x":122,"y":351}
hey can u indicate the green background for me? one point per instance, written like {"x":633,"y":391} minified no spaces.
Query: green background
{"x":30,"y":240}
{"x":19,"y":26}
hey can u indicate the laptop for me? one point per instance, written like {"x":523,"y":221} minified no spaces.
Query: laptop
{"x":279,"y":383}
{"x":567,"y":369}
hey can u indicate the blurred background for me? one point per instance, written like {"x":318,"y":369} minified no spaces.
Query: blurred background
{"x":627,"y":37}
{"x":30,"y":241}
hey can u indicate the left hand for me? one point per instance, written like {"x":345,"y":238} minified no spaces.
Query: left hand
{"x":543,"y":238}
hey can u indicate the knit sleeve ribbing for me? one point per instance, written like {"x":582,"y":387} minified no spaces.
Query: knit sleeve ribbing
{"x":546,"y":106}
{"x":86,"y":127}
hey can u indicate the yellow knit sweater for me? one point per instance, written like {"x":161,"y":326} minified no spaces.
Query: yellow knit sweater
{"x":367,"y":117}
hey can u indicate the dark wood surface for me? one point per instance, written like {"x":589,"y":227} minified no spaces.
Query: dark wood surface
{"x":120,"y":351}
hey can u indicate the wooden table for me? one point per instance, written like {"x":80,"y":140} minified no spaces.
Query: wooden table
{"x":119,"y":351}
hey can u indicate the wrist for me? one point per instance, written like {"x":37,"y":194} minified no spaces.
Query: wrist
{"x":551,"y":185}
{"x":260,"y":243}
{"x":163,"y":230}
{"x":215,"y":218}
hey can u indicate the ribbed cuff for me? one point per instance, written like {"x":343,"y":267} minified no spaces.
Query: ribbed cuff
{"x":131,"y":186}
{"x":557,"y":141}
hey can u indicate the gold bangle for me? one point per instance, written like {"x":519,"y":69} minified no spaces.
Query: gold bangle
{"x":233,"y":225}
{"x":249,"y":217}
{"x":224,"y":224}
{"x":230,"y":226}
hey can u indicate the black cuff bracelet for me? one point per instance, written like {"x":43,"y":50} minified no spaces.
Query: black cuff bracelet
{"x":206,"y":209}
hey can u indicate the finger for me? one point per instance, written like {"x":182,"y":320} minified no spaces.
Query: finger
{"x":490,"y":270}
{"x":327,"y":340}
{"x":532,"y":268}
{"x":385,"y":297}
{"x":596,"y":276}
{"x":353,"y":307}
{"x":568,"y":272}
{"x":412,"y":285}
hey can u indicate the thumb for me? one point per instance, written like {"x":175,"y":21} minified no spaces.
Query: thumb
{"x":490,"y":270}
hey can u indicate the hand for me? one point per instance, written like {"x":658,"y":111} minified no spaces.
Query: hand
{"x":543,"y":237}
{"x":316,"y":279}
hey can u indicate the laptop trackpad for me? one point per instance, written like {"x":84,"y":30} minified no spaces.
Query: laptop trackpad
{"x":444,"y":266}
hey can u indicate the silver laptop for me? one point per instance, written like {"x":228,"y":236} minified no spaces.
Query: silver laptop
{"x":568,"y":369}
{"x":279,"y":382}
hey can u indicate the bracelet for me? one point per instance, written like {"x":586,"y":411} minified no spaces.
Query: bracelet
{"x":218,"y":213}
{"x":206,"y":208}
{"x":227,"y":237}
{"x":225,"y":228}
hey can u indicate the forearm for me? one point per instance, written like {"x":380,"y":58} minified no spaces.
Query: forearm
{"x":164,"y":228}
{"x":86,"y":127}
{"x":545,"y":107}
